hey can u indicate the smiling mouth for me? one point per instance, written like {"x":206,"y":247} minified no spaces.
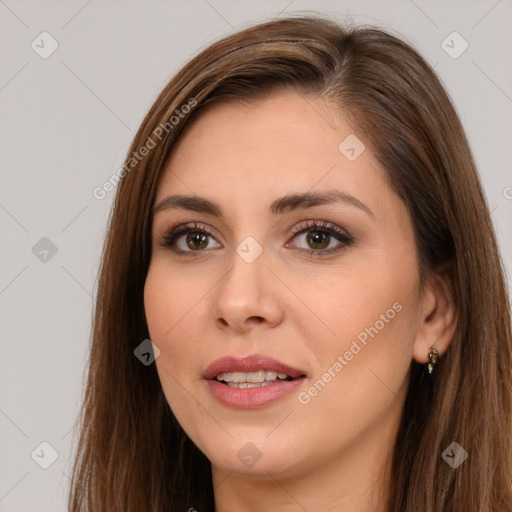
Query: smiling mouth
{"x":255,"y":379}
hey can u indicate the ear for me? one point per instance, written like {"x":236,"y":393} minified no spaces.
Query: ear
{"x":438,"y":314}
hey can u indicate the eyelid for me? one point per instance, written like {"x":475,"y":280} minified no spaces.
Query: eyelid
{"x":321,"y":225}
{"x":344,"y":238}
{"x":168,"y":237}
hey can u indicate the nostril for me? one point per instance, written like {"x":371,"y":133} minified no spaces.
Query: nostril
{"x":256,"y":319}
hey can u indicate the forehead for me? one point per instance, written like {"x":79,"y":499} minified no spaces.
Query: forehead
{"x":287,"y":137}
{"x":248,"y":154}
{"x":244,"y":157}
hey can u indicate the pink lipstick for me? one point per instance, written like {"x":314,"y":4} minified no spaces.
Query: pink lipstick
{"x":252,"y":381}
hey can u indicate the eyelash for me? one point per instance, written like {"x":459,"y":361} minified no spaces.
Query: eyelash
{"x":169,"y":238}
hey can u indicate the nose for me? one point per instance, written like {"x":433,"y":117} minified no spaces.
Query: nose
{"x":247,"y":296}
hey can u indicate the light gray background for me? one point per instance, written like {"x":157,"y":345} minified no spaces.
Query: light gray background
{"x":66,"y":123}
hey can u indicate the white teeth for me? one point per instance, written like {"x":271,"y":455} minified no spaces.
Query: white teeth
{"x":247,"y":384}
{"x":250,"y":377}
{"x":258,"y":376}
{"x":238,"y":377}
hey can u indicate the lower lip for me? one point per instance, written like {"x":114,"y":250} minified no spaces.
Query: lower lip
{"x":252,"y":398}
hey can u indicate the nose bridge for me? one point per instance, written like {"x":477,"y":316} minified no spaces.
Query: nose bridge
{"x":246,"y":277}
{"x":246,"y":290}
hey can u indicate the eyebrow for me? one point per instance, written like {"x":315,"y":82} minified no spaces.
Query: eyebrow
{"x":279,"y":206}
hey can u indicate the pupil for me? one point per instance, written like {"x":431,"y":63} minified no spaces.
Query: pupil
{"x":317,"y":239}
{"x":194,"y":240}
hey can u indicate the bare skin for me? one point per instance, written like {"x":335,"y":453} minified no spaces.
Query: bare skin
{"x":329,"y":450}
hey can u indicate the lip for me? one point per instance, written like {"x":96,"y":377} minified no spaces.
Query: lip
{"x":251,"y":363}
{"x":252,"y":398}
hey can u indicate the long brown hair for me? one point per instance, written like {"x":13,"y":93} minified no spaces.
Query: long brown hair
{"x":132,"y":455}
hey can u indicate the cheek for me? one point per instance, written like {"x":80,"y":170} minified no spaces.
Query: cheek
{"x":366,"y":316}
{"x":170,"y":303}
{"x":170,"y":308}
{"x":165,"y":312}
{"x":357,"y":301}
{"x":361,"y":376}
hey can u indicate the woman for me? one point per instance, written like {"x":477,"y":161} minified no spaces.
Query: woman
{"x":300,"y":231}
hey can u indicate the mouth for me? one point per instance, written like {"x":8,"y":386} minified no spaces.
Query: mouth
{"x":255,"y":379}
{"x":252,"y":382}
{"x":251,"y":371}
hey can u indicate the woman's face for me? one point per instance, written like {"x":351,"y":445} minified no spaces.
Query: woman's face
{"x":326,"y":287}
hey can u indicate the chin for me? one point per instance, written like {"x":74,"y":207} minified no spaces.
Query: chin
{"x":257,"y":458}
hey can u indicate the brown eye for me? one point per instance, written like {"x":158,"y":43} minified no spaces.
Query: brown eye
{"x":317,"y":239}
{"x":188,"y":239}
{"x":197,"y":240}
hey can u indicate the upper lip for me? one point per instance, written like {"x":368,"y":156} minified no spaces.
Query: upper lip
{"x":250,"y":363}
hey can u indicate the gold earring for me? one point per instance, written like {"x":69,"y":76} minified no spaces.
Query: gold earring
{"x":433,"y":356}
